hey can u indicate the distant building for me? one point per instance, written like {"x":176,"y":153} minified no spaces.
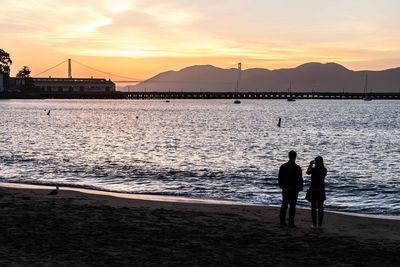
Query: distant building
{"x":15,"y":84}
{"x":64,"y":85}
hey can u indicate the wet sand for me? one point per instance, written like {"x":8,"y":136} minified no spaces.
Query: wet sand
{"x":76,"y":229}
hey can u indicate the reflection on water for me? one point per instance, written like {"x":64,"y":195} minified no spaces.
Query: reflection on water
{"x":206,"y":148}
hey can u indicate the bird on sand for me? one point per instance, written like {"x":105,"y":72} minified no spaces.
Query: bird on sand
{"x":55,"y":191}
{"x":48,"y":112}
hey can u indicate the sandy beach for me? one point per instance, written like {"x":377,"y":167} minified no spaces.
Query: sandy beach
{"x":80,"y":229}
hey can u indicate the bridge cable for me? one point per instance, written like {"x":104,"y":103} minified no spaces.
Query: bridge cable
{"x":234,"y":66}
{"x":50,"y":68}
{"x":108,"y":73}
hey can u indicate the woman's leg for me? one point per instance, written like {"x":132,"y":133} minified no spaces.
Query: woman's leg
{"x":314,"y":212}
{"x":320,"y":212}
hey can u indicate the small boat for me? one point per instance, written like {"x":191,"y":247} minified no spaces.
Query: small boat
{"x":290,"y":99}
{"x":367,"y":97}
{"x":237,"y":101}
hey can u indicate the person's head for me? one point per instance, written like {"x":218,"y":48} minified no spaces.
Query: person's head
{"x":319,"y":162}
{"x":292,"y":155}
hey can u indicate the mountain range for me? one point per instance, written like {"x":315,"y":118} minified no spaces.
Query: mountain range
{"x":318,"y":77}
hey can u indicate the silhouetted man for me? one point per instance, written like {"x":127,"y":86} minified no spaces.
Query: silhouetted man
{"x":291,"y":182}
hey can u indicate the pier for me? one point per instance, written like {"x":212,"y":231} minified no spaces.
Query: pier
{"x":201,"y":95}
{"x":254,"y":95}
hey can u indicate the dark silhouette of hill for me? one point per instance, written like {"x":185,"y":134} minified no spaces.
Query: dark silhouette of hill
{"x":329,"y":77}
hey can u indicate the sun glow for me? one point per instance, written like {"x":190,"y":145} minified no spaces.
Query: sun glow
{"x":117,"y":6}
{"x":136,"y":52}
{"x":175,"y":17}
{"x":92,"y":27}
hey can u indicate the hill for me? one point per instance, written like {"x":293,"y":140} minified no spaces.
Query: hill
{"x":328,"y":77}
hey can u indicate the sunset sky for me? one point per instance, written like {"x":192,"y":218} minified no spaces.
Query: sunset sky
{"x":140,"y":38}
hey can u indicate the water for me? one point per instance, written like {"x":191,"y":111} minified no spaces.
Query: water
{"x":206,"y":148}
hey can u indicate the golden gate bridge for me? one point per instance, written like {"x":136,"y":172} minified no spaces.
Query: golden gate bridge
{"x":108,"y":74}
{"x":125,"y":79}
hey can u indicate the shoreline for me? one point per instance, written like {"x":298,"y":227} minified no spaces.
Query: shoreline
{"x":92,"y":228}
{"x":180,"y":199}
{"x":149,"y":197}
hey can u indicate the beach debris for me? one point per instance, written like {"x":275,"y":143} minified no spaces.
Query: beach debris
{"x":55,"y":191}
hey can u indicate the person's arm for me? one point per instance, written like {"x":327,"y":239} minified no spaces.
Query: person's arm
{"x":310,"y":167}
{"x":300,"y":185}
{"x":280,"y":178}
{"x":325,"y":172}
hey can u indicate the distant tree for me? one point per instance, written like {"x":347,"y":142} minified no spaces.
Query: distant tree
{"x":24,"y":72}
{"x":27,"y":82}
{"x":5,"y":62}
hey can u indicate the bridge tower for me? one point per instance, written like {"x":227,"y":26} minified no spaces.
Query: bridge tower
{"x":239,"y":77}
{"x":69,"y":69}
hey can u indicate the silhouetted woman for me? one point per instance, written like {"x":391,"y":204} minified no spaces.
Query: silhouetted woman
{"x":316,"y":193}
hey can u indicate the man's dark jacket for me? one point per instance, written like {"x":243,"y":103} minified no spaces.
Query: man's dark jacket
{"x":290,"y":177}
